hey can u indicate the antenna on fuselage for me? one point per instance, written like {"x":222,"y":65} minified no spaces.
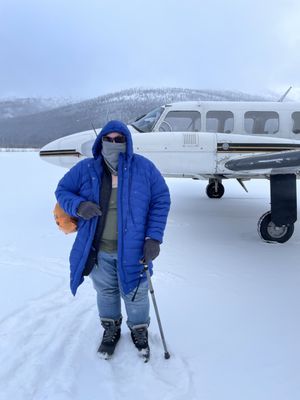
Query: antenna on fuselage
{"x":284,"y":95}
{"x":94,"y":129}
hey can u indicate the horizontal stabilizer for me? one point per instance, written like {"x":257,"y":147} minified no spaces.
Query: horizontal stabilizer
{"x":283,"y":159}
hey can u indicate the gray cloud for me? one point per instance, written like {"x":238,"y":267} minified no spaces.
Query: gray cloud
{"x":84,"y":49}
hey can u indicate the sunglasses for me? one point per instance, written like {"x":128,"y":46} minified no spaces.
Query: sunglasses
{"x":117,"y":139}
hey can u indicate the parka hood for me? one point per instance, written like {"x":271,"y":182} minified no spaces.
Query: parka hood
{"x":113,"y":126}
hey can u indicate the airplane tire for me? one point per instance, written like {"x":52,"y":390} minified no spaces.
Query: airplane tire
{"x":212,"y":193}
{"x":269,"y":232}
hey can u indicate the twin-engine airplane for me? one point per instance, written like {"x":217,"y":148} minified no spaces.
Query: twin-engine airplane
{"x":215,"y":141}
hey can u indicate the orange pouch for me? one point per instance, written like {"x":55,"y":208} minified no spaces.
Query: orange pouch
{"x":65,"y":222}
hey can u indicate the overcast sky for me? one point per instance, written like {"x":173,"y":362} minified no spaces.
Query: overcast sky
{"x":86,"y":48}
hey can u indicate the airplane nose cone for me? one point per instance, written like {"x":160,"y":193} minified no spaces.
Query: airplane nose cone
{"x":60,"y":153}
{"x":68,"y":150}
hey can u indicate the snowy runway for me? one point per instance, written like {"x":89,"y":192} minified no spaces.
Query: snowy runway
{"x":229,"y":303}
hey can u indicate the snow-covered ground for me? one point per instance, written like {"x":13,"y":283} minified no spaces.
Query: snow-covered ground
{"x":229,"y":303}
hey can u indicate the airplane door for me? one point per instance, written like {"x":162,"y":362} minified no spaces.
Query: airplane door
{"x":178,"y":153}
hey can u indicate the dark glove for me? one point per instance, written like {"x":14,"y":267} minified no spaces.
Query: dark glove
{"x":88,"y":210}
{"x":151,"y":250}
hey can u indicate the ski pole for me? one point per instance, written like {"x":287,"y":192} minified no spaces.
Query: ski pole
{"x":146,"y":269}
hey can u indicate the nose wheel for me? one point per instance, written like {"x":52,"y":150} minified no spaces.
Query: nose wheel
{"x":215,"y":189}
{"x":269,"y":232}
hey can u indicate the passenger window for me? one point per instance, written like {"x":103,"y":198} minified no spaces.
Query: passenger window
{"x":219,"y":121}
{"x":296,"y":122}
{"x":261,"y":122}
{"x":181,"y":121}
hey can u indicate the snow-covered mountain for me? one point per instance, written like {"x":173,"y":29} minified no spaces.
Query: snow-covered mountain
{"x":18,"y":107}
{"x":34,"y":122}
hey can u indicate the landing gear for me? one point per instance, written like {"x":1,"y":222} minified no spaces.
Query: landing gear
{"x":215,"y":189}
{"x":277,"y":225}
{"x":269,"y":232}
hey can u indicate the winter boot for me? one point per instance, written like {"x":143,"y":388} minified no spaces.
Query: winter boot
{"x":139,"y":335}
{"x":111,"y":336}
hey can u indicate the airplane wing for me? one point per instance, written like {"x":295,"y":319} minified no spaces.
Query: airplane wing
{"x":288,"y":161}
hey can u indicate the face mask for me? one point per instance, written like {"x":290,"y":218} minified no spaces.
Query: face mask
{"x":110,"y":152}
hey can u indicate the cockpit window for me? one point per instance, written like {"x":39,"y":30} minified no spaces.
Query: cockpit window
{"x":264,"y":122}
{"x":147,"y":122}
{"x":181,"y":121}
{"x":296,"y":122}
{"x":219,"y":121}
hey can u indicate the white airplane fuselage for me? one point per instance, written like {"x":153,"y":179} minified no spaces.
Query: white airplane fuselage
{"x":214,"y":132}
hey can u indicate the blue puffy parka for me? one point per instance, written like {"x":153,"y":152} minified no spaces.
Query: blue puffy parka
{"x":143,"y":206}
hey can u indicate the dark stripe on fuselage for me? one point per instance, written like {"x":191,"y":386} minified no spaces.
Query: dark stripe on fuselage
{"x":59,"y":153}
{"x":255,"y":147}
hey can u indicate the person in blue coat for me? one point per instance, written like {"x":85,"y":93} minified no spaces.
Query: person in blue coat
{"x":122,"y":203}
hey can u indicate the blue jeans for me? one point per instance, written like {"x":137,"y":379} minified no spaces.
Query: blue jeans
{"x":109,"y":292}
